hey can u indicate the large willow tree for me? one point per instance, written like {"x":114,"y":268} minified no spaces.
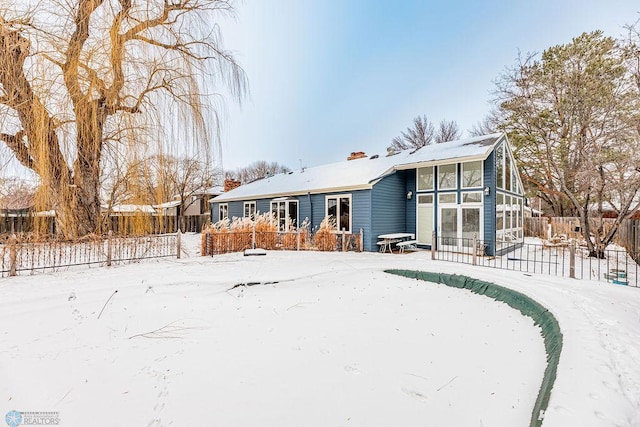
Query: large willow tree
{"x":82,"y":78}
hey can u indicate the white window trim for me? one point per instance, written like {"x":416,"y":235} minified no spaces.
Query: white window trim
{"x":220,"y":206}
{"x":287,"y":220}
{"x":480,"y":193}
{"x":481,"y":174}
{"x":244,"y":209}
{"x":425,"y":203}
{"x":433,"y":176}
{"x":455,"y":174}
{"x":340,"y":196}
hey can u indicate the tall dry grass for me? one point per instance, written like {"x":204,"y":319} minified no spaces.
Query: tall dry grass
{"x":325,"y":237}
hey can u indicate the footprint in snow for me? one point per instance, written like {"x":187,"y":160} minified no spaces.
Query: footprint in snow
{"x":414,"y":394}
{"x":352,"y":369}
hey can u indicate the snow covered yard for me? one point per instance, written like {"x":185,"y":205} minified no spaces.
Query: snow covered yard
{"x":332,"y":341}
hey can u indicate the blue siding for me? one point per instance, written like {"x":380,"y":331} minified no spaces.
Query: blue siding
{"x":236,"y":210}
{"x":263,"y":206}
{"x":388,"y":209}
{"x":489,"y":213}
{"x":361,"y":212}
{"x":214,"y":212}
{"x":304,"y":208}
{"x":410,"y":214}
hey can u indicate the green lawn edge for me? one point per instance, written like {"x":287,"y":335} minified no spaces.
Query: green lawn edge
{"x":541,"y":316}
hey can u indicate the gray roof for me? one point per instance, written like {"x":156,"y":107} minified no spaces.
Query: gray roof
{"x":362,"y":173}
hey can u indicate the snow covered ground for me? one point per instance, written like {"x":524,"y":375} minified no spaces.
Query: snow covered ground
{"x":325,"y":339}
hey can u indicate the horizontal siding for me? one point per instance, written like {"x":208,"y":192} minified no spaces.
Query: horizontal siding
{"x":263,"y":205}
{"x":317,"y":210}
{"x":236,"y":210}
{"x":313,"y":208}
{"x":388,"y":208}
{"x":410,"y":214}
{"x":361,"y":214}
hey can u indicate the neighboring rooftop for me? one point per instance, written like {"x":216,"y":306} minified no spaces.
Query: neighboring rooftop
{"x":362,"y":173}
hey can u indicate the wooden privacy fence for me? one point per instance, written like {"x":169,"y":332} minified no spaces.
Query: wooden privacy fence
{"x":18,"y":255}
{"x":539,"y":226}
{"x":118,"y":224}
{"x":155,"y":224}
{"x":224,"y":241}
{"x":627,"y":236}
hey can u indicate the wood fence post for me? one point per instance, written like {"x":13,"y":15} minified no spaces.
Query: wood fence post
{"x":361,"y":242}
{"x":253,"y":235}
{"x":109,"y":245}
{"x":433,"y":244}
{"x":178,"y":243}
{"x":13,"y":255}
{"x":572,"y":260}
{"x":298,"y":239}
{"x":475,"y":250}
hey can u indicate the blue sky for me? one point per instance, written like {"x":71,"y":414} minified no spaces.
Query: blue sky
{"x":328,"y":78}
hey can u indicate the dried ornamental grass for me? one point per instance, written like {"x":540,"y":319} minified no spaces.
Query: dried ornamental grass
{"x":325,"y":238}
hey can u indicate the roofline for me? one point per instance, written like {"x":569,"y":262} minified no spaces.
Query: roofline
{"x":441,"y":162}
{"x":368,"y":186}
{"x":414,"y":165}
{"x":438,"y":162}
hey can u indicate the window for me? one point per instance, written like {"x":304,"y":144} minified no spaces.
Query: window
{"x":223,"y":211}
{"x":472,"y":174}
{"x":339,"y":207}
{"x":500,"y":213}
{"x":425,"y":178}
{"x":474,"y":197}
{"x":500,"y":166}
{"x":514,"y":181}
{"x":250,"y":210}
{"x":508,"y":220}
{"x":447,"y":178}
{"x":447,"y":198}
{"x":507,"y":172}
{"x":425,"y":199}
{"x":285,"y":213}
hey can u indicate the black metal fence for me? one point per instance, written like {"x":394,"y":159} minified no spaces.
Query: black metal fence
{"x":19,"y":256}
{"x":562,"y":260}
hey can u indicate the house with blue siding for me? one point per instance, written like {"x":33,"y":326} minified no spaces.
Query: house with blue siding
{"x":455,"y":190}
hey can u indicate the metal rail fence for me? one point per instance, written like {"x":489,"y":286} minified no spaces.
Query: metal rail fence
{"x":19,"y":256}
{"x":563,"y":260}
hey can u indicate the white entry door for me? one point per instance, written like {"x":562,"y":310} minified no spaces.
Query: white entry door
{"x":449,"y":227}
{"x":425,"y":219}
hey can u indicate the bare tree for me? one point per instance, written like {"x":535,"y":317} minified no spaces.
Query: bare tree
{"x":72,"y":72}
{"x":447,"y":131}
{"x":489,"y":124}
{"x":423,"y":132}
{"x":256,"y":170}
{"x":419,"y":135}
{"x":163,"y":178}
{"x":16,"y":193}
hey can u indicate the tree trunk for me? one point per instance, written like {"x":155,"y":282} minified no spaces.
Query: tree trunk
{"x":86,"y":168}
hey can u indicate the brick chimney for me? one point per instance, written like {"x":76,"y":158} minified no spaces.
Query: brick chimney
{"x":230,"y":184}
{"x":356,"y":155}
